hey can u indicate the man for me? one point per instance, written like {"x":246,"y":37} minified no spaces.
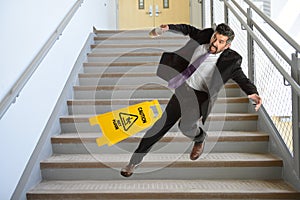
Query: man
{"x":195,"y":96}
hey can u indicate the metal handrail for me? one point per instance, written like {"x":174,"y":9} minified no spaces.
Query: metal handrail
{"x":282,"y":54}
{"x":293,"y":83}
{"x":281,"y":32}
{"x":15,"y":90}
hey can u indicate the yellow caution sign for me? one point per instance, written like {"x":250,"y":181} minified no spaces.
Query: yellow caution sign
{"x":123,"y":123}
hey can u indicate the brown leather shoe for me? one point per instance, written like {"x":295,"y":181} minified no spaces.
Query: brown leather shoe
{"x":128,"y":170}
{"x":197,"y":150}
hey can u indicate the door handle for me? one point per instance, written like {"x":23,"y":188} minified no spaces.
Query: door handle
{"x":157,"y":12}
{"x":150,"y":13}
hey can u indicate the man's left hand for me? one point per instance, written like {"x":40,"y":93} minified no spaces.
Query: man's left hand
{"x":256,"y":99}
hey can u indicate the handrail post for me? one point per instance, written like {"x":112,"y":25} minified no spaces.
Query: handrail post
{"x":225,"y":13}
{"x":250,"y":47}
{"x":296,"y":112}
{"x":212,"y":18}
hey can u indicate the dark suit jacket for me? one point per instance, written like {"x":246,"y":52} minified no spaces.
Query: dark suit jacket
{"x":228,"y":65}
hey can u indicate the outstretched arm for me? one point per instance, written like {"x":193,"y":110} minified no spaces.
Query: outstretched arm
{"x":193,"y":32}
{"x":247,"y":86}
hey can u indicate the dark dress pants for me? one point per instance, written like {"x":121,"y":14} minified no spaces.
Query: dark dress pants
{"x":183,"y":105}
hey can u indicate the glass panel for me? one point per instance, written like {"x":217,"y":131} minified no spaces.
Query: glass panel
{"x":166,"y":3}
{"x":141,"y":4}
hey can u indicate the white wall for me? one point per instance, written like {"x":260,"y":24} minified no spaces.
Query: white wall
{"x":286,"y":14}
{"x":25,"y":27}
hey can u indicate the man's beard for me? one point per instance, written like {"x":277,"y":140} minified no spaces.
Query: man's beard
{"x":212,"y":47}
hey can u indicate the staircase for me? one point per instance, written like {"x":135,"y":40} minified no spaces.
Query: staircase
{"x":120,"y":71}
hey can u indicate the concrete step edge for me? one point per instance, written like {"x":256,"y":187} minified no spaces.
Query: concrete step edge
{"x":116,"y":75}
{"x":162,"y":160}
{"x":125,"y":54}
{"x":224,"y":136}
{"x":211,"y":117}
{"x":74,"y":102}
{"x":143,"y":87}
{"x":118,"y":64}
{"x":164,"y":189}
{"x":144,"y":46}
{"x":146,"y":37}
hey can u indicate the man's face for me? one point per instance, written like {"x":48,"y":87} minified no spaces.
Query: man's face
{"x":218,"y":43}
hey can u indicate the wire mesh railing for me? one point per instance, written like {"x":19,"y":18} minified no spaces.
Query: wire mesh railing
{"x":276,"y":93}
{"x":270,"y":58}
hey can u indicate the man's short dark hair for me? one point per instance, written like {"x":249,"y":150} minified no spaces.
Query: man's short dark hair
{"x":225,"y":30}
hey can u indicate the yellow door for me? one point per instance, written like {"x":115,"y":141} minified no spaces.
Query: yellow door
{"x":133,"y":15}
{"x":139,"y":14}
{"x":172,"y":12}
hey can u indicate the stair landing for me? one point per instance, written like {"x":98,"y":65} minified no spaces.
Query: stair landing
{"x":164,"y":189}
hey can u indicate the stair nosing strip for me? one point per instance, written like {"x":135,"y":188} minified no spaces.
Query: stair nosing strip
{"x":81,"y":138}
{"x":129,"y":87}
{"x":175,"y":189}
{"x":90,"y":161}
{"x":212,"y":117}
{"x":74,"y":102}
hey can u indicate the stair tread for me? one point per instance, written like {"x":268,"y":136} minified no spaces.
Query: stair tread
{"x":139,"y":100}
{"x":224,"y":136}
{"x":164,"y":45}
{"x":161,"y":159}
{"x":116,"y":75}
{"x":213,"y":117}
{"x":129,"y":54}
{"x":146,"y":37}
{"x":134,"y":87}
{"x":170,"y":188}
{"x":117,"y":64}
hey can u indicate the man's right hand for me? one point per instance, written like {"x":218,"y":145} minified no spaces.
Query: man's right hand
{"x":164,"y":27}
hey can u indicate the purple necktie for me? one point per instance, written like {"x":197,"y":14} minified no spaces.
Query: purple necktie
{"x":179,"y":79}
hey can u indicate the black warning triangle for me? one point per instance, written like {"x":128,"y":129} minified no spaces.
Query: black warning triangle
{"x":127,"y":120}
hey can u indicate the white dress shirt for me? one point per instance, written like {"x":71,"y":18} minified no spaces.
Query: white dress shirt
{"x":202,"y":76}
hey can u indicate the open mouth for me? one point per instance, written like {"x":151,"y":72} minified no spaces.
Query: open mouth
{"x":213,"y":49}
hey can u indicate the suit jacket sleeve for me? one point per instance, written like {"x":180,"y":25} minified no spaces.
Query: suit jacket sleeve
{"x":240,"y":78}
{"x":202,"y":36}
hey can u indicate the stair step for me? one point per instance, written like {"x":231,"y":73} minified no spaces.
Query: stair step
{"x":159,"y":160}
{"x":232,"y":104}
{"x":164,"y":189}
{"x":170,"y":166}
{"x":126,"y":54}
{"x":139,"y":91}
{"x":135,"y":101}
{"x":143,"y":36}
{"x":115,"y":48}
{"x":116,"y":75}
{"x":176,"y":142}
{"x":135,"y":46}
{"x":143,"y":67}
{"x":120,"y":67}
{"x":211,"y":117}
{"x":140,"y":56}
{"x":124,"y":58}
{"x":224,"y":136}
{"x":216,"y":121}
{"x":135,"y":34}
{"x":118,"y":64}
{"x":119,"y":79}
{"x":144,"y":87}
{"x":140,"y":40}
